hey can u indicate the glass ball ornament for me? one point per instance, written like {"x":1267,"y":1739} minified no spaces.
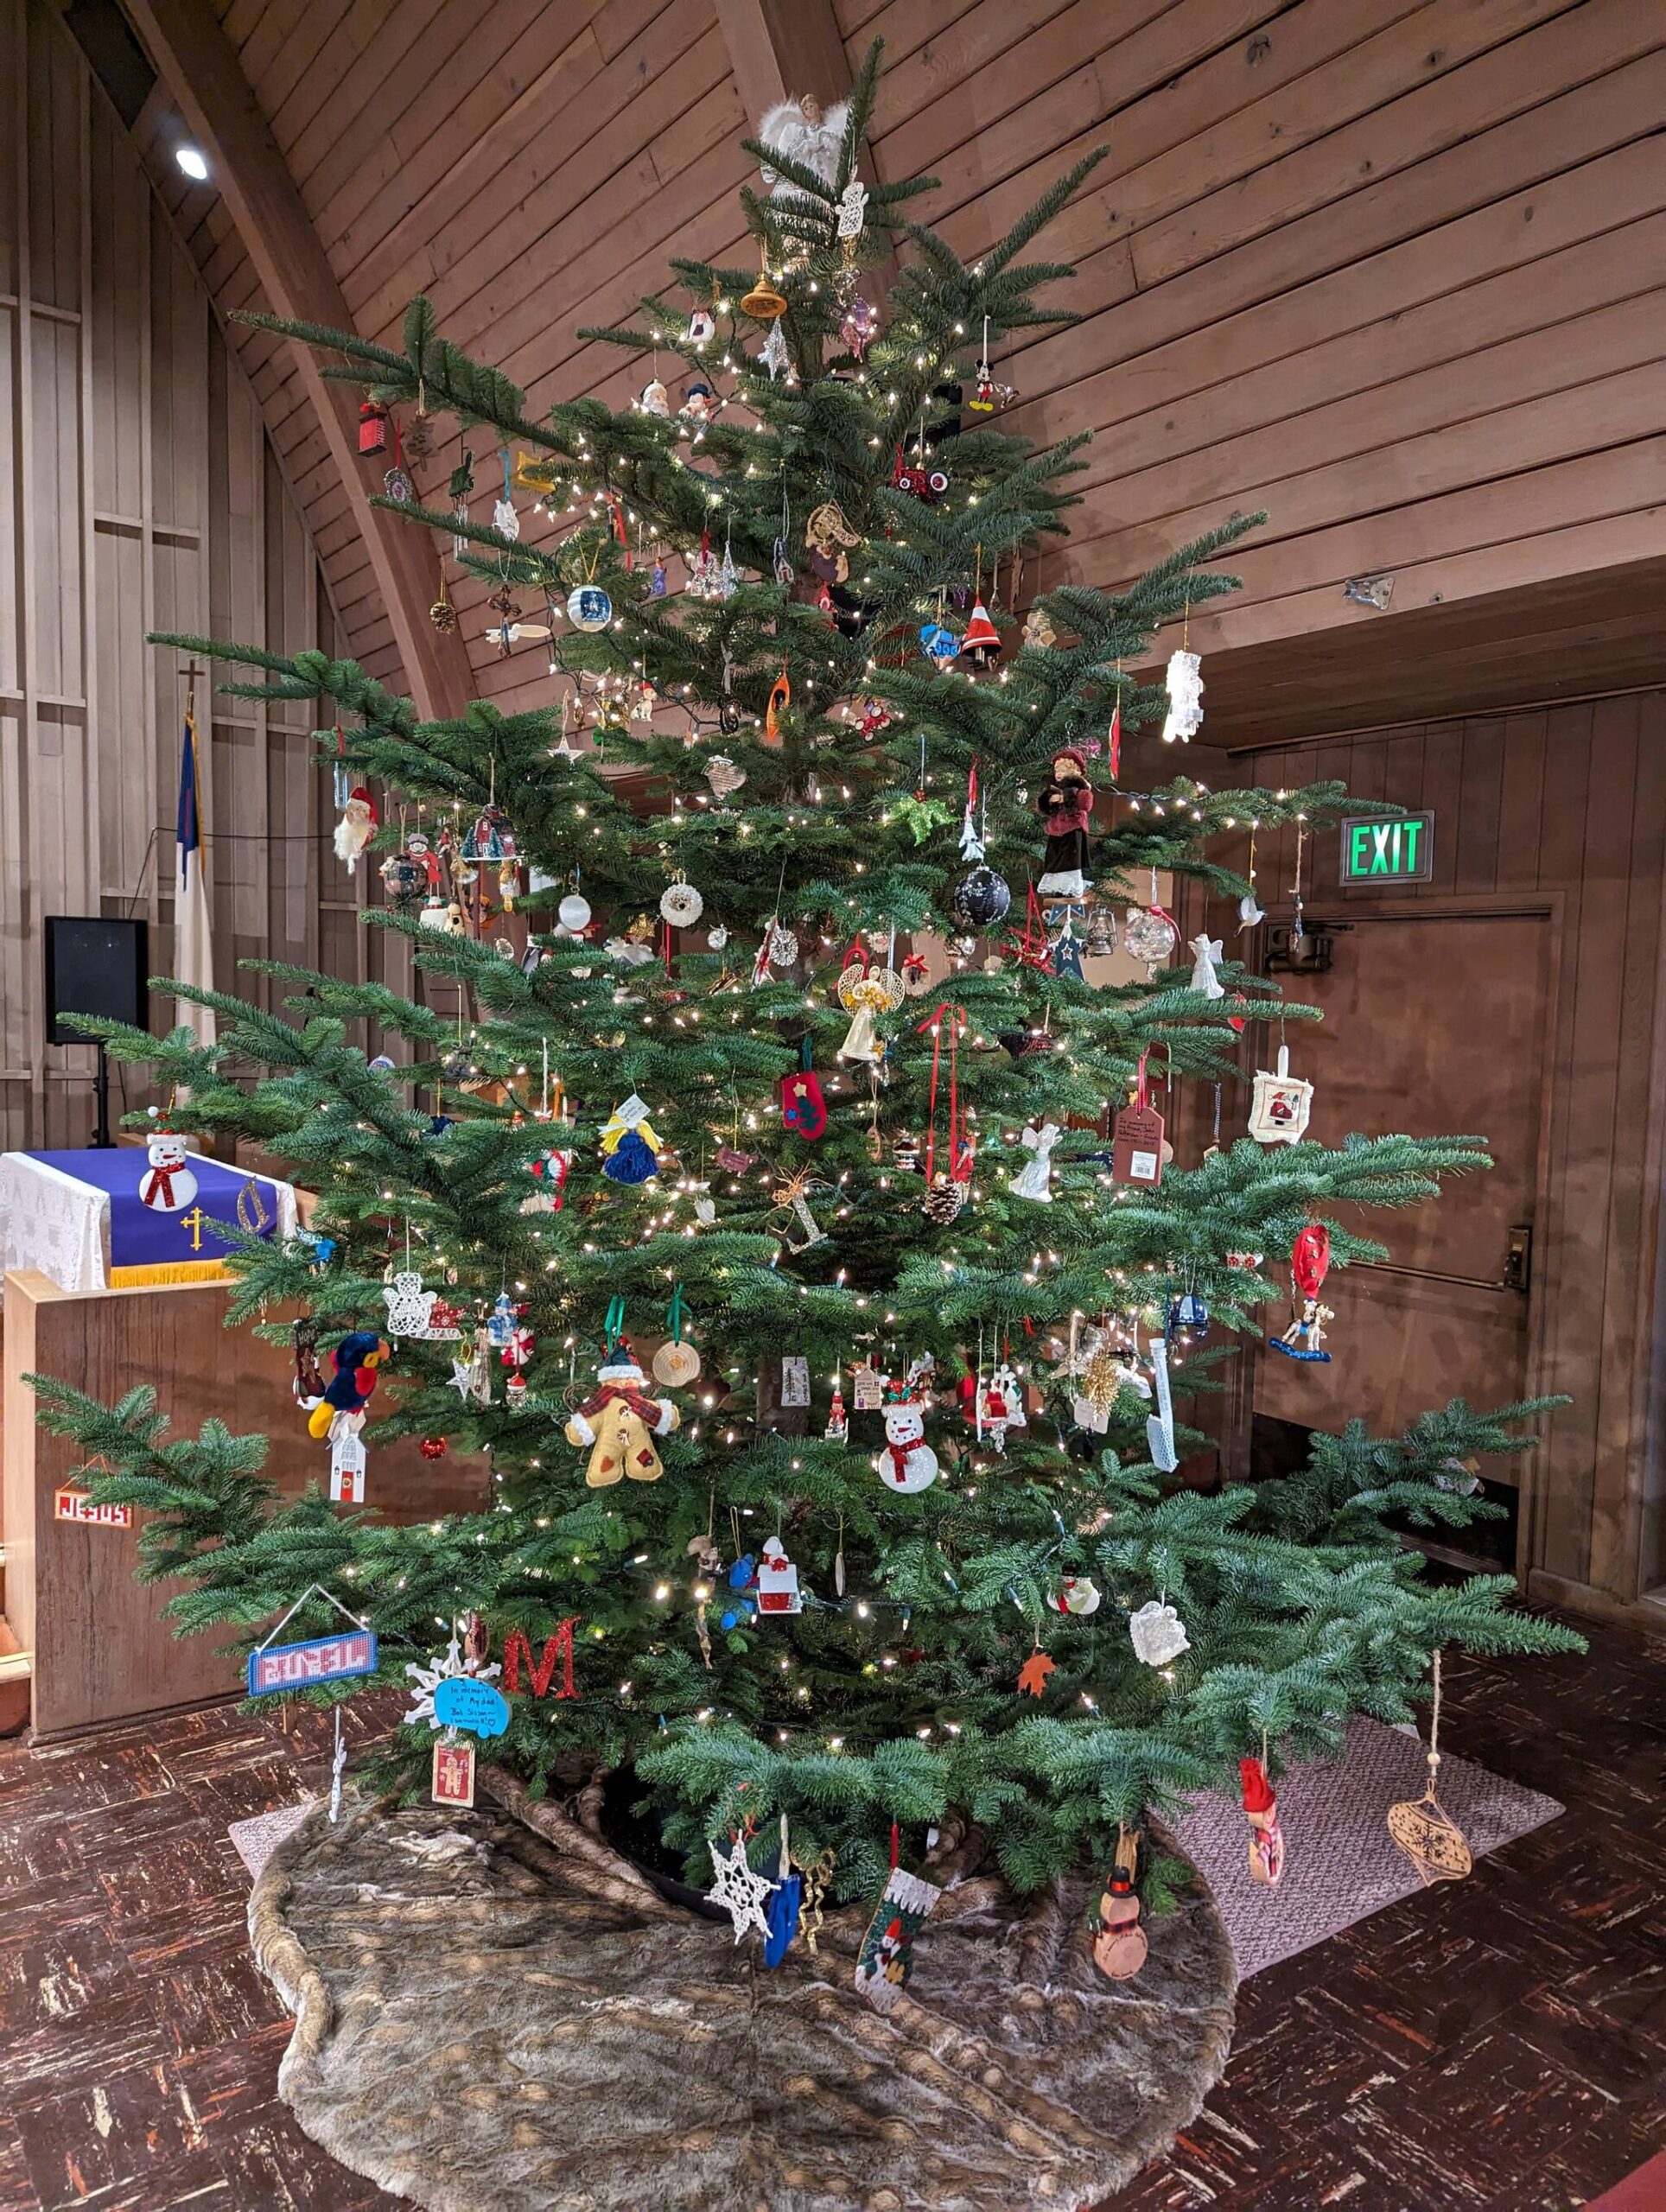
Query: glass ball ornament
{"x":982,"y":899}
{"x":574,"y":913}
{"x":588,"y":607}
{"x":1147,"y":935}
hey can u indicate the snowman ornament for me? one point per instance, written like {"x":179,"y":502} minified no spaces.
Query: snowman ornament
{"x":168,"y":1185}
{"x":907,"y":1463}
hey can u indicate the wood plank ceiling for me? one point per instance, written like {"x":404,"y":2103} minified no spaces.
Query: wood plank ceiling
{"x":1392,"y":271}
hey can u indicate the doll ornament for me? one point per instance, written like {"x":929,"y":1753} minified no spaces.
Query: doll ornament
{"x":619,"y":1423}
{"x":1066,"y":804}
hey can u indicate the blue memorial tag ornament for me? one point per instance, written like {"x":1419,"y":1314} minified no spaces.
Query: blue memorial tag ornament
{"x":466,"y":1701}
{"x":781,"y":1912}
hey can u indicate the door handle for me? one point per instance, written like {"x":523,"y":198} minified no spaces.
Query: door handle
{"x":1518,"y":1258}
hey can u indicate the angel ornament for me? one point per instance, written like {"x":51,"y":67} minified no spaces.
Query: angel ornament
{"x":852,"y":204}
{"x":1034,"y":1179}
{"x":801,"y":131}
{"x":1206,"y":952}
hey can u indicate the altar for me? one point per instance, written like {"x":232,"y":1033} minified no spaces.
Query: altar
{"x":78,"y":1217}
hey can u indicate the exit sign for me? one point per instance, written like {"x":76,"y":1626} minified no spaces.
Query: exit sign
{"x":1398,"y":850}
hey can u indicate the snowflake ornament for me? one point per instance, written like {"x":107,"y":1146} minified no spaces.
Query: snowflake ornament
{"x":739,"y":1891}
{"x":451,"y":1662}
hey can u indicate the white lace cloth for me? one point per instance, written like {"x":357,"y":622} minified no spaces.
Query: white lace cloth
{"x":57,"y":1224}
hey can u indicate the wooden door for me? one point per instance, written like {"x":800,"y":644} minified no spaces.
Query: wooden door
{"x":1437,"y":1018}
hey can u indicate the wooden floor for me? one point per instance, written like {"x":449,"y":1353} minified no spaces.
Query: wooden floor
{"x":1498,"y":2046}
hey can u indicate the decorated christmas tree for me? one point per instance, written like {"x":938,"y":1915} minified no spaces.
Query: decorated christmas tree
{"x":761,"y":1178}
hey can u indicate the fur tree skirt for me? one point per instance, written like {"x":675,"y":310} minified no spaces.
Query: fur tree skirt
{"x":499,"y":2016}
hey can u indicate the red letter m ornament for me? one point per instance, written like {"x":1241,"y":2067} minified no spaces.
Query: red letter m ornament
{"x":560,"y":1646}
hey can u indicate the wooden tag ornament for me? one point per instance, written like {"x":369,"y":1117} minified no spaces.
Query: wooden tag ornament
{"x":1136,"y":1151}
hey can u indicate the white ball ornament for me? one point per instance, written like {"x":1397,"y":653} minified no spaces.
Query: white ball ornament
{"x":574,"y":913}
{"x":681,"y":904}
{"x":588,"y":607}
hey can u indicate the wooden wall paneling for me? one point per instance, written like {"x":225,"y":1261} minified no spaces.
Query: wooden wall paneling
{"x":1480,"y":797}
{"x":1621,"y":1469}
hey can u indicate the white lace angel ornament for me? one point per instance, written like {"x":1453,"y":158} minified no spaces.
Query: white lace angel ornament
{"x":806,"y":132}
{"x":1034,"y":1179}
{"x":1205,"y":952}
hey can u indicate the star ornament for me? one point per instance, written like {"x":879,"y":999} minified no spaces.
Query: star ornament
{"x":739,"y":1891}
{"x":1032,"y":1675}
{"x":462,"y":1377}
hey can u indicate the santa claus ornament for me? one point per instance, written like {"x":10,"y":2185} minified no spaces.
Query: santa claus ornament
{"x":1281,"y":1105}
{"x":168,"y":1185}
{"x":1065,"y":803}
{"x":357,"y":825}
{"x":619,"y":1423}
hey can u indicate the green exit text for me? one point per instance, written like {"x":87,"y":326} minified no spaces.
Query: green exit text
{"x":1401,"y":851}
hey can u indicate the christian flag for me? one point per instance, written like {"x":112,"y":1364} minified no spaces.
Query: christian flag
{"x":194,"y":952}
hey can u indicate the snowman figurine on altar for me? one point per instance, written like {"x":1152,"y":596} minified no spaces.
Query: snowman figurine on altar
{"x":168,"y":1185}
{"x":907,"y":1463}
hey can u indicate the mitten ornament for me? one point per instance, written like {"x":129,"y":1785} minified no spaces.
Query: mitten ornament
{"x":803,"y":1109}
{"x":1261,"y":1810}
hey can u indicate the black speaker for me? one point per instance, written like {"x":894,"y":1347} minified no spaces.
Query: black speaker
{"x":94,"y":966}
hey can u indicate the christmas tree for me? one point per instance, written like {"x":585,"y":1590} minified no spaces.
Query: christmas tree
{"x":781,"y":1170}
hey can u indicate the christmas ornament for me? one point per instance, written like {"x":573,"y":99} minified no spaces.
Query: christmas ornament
{"x":356,"y":1359}
{"x":857,"y":328}
{"x":700,"y":402}
{"x":1157,"y":1634}
{"x":574,"y":913}
{"x":1136,"y":1151}
{"x":946,"y":1194}
{"x":1032,"y":1675}
{"x":1066,"y":804}
{"x":681,"y":904}
{"x":655,"y":399}
{"x":1160,"y":1426}
{"x":702,"y":329}
{"x":921,"y":483}
{"x":167,"y":1186}
{"x":1189,"y":1312}
{"x":981,"y":901}
{"x":1119,"y":1941}
{"x":868,"y":1389}
{"x":1039,"y":632}
{"x":1000,"y":1406}
{"x":1149,"y":935}
{"x":404,"y":879}
{"x":347,"y":1459}
{"x":723,"y":776}
{"x":773,"y":354}
{"x":738,"y":1890}
{"x":356,"y":828}
{"x":886,"y":1959}
{"x":1310,"y":1262}
{"x":588,"y":607}
{"x":1102,"y":933}
{"x":452,"y":1662}
{"x":308,"y":1386}
{"x":1261,"y":1810}
{"x":410,"y":1308}
{"x":619,"y":1421}
{"x":803,"y":133}
{"x":778,"y":1580}
{"x":433,"y":1447}
{"x":803,"y":1109}
{"x":1280,"y":1103}
{"x":1076,"y":1594}
{"x":939,"y":644}
{"x":830,"y":540}
{"x":373,"y":427}
{"x":1064,"y":954}
{"x":865,"y":991}
{"x":1206,"y":952}
{"x":1185,"y":682}
{"x":780,"y":697}
{"x":982,"y":643}
{"x":782,"y":1910}
{"x":1421,"y":1828}
{"x":451,"y":1780}
{"x":837,"y":1432}
{"x":396,"y":483}
{"x":630,"y":1147}
{"x":676,"y":1363}
{"x":557,"y":1651}
{"x":1034,"y":1179}
{"x":791,"y":1195}
{"x":907,"y":1463}
{"x":504,"y":520}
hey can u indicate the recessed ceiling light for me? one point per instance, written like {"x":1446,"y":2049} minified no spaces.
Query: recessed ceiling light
{"x":192,"y":162}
